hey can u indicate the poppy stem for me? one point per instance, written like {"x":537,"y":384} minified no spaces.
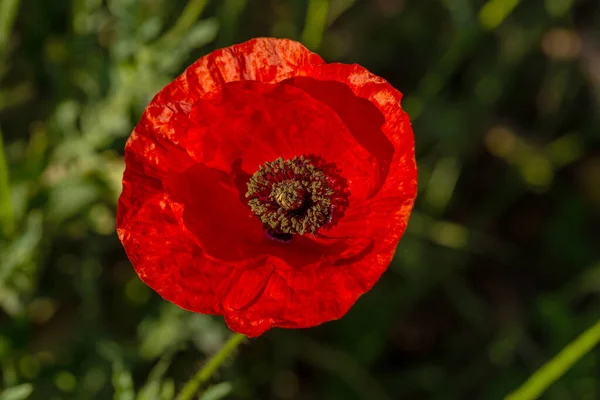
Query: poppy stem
{"x":555,"y":368}
{"x":204,"y":374}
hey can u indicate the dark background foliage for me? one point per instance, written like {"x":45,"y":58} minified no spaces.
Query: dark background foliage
{"x":499,"y":268}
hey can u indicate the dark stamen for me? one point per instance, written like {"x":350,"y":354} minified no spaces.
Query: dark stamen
{"x":297,"y":195}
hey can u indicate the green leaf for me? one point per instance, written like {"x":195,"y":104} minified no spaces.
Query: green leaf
{"x":17,"y":392}
{"x":69,"y":197}
{"x":199,"y":35}
{"x":217,"y":392}
{"x":121,"y":376}
{"x":167,"y":391}
{"x":18,"y":264}
{"x":122,"y":382}
{"x":152,"y":389}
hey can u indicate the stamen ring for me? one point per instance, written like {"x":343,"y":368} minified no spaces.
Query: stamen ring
{"x":296,"y":196}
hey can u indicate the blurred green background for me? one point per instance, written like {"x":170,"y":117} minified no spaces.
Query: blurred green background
{"x":499,"y":268}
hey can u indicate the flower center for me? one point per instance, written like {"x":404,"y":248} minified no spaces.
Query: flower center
{"x":290,"y":195}
{"x":296,"y":196}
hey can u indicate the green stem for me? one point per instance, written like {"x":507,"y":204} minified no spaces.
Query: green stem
{"x":8,"y":13}
{"x":189,"y":15}
{"x":314,"y":26}
{"x":204,"y":374}
{"x":555,"y":368}
{"x":6,"y":211}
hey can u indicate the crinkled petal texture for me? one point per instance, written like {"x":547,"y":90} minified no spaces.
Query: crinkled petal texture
{"x":183,"y":217}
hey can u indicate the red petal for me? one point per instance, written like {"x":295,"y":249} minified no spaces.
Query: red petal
{"x":226,"y":230}
{"x":266,"y":60}
{"x":363,"y":120}
{"x":250,"y":123}
{"x":263,"y":59}
{"x":401,"y":179}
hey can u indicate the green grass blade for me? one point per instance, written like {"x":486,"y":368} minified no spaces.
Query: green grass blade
{"x":316,"y":21}
{"x":8,"y":13}
{"x":7,"y":222}
{"x":555,"y":368}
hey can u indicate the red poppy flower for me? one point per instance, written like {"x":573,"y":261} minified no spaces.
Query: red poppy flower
{"x":267,"y":186}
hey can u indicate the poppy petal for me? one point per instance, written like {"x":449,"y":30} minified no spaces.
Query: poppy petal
{"x":267,"y":121}
{"x":265,"y":60}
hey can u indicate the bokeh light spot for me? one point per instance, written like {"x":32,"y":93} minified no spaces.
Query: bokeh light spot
{"x":561,"y":44}
{"x":65,"y":381}
{"x":41,"y":310}
{"x":558,"y":8}
{"x":500,"y":141}
{"x":537,"y":171}
{"x":449,"y":234}
{"x":494,"y":12}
